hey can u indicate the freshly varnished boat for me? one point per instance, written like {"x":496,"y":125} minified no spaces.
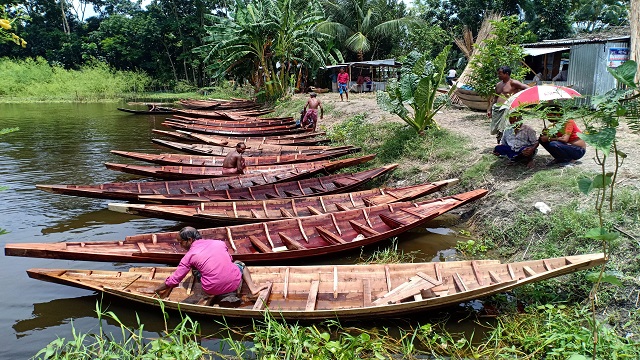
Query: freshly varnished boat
{"x":268,"y":241}
{"x":243,"y":212}
{"x":254,"y":150}
{"x":228,"y":115}
{"x":226,"y":141}
{"x":330,"y":291}
{"x":231,"y":141}
{"x":199,"y":172}
{"x":227,"y":188}
{"x":205,"y":160}
{"x":253,"y":123}
{"x":286,"y":190}
{"x":254,"y":131}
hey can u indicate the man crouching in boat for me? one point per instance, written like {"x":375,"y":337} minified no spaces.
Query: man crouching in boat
{"x":234,"y":162}
{"x":219,"y":275}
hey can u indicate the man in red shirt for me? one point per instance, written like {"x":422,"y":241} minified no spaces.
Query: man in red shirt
{"x":343,"y":81}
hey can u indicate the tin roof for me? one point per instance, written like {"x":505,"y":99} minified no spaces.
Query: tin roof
{"x":591,"y":39}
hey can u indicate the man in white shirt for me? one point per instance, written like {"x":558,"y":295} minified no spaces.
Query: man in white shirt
{"x":450,"y":76}
{"x":519,"y":142}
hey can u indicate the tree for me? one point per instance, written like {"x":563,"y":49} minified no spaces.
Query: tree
{"x":417,"y":88}
{"x":549,"y":19}
{"x":593,"y":15}
{"x":503,"y":48}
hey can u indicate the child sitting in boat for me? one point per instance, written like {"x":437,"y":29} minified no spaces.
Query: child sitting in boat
{"x":220,"y":276}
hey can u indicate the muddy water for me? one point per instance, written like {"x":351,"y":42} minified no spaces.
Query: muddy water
{"x":68,"y":144}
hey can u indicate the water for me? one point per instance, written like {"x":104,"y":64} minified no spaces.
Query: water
{"x":69,"y":144}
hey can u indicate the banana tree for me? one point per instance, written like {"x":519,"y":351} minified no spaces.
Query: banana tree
{"x":418,"y":88}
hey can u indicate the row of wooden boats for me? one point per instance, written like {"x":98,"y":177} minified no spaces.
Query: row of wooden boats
{"x":273,"y":214}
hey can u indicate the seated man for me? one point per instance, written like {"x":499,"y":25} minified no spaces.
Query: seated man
{"x":519,"y":142}
{"x":565,"y":146}
{"x":234,"y":162}
{"x":219,"y":275}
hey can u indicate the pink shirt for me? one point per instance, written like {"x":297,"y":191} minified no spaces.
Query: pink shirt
{"x":343,"y":78}
{"x":211,"y":257}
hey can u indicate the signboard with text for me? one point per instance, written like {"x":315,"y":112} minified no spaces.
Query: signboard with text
{"x":617,"y":56}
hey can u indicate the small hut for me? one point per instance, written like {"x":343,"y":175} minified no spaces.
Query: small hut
{"x":378,"y":71}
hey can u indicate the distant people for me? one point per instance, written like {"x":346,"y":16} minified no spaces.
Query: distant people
{"x":360,"y":83}
{"x":368,"y":83}
{"x":343,"y":81}
{"x":310,"y":119}
{"x":519,"y":143}
{"x":213,"y":265}
{"x":561,"y":76}
{"x":334,"y":81}
{"x":234,"y":162}
{"x":451,"y":76}
{"x":565,"y":146}
{"x":537,"y":80}
{"x":505,"y":88}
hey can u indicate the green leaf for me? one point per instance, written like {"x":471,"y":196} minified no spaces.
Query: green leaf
{"x":577,"y":357}
{"x":625,"y":73}
{"x":601,"y":140}
{"x":621,"y":154}
{"x":584,"y":185}
{"x":601,"y":234}
{"x":601,"y":182}
{"x":608,"y":277}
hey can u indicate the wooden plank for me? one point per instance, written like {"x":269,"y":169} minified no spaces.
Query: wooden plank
{"x":141,"y":246}
{"x":366,"y":293}
{"x":494,"y":277}
{"x":417,"y":297}
{"x":363,"y":229}
{"x":235,"y":209}
{"x":329,"y":236}
{"x":476,"y":272}
{"x":259,"y":245}
{"x":266,"y":233}
{"x":528,"y":271}
{"x":301,"y":228}
{"x":286,"y":282}
{"x":263,"y":297}
{"x":293,"y":207}
{"x":335,"y":282}
{"x":411,"y":211}
{"x":459,"y":282}
{"x":316,"y":189}
{"x":352,"y":202}
{"x":366,"y":217}
{"x":428,"y":278}
{"x":233,"y":244}
{"x":291,"y":243}
{"x":254,"y":214}
{"x":387,"y":275}
{"x":335,"y":224}
{"x":284,"y":212}
{"x":341,"y":207}
{"x":391,"y":222}
{"x":313,"y":210}
{"x":313,"y":296}
{"x":547,"y":265}
{"x":436,"y":268}
{"x":324,"y":208}
{"x":511,"y":273}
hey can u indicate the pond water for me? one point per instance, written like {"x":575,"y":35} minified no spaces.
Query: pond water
{"x":69,"y":144}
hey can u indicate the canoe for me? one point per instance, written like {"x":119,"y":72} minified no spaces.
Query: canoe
{"x":219,"y":104}
{"x":219,"y":130}
{"x":244,"y":212}
{"x":319,"y":186}
{"x":226,"y":114}
{"x":187,"y":135}
{"x":295,"y":238}
{"x":472,"y":100}
{"x":225,"y":141}
{"x":200,"y":172}
{"x":204,"y":160}
{"x":332,"y":291}
{"x":259,"y":150}
{"x":242,"y":187}
{"x":161,"y":111}
{"x":250,"y":122}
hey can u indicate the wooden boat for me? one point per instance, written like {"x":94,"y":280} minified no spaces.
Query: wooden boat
{"x":251,"y":122}
{"x":225,"y":141}
{"x":229,"y":115}
{"x":472,"y":100}
{"x":259,"y":150}
{"x":200,"y":172}
{"x":216,"y":161}
{"x":294,"y":238}
{"x":187,"y":135}
{"x":219,"y":130}
{"x":244,"y":212}
{"x":218,"y":104}
{"x":159,"y":111}
{"x":243,"y":187}
{"x":330,"y":291}
{"x":319,"y":186}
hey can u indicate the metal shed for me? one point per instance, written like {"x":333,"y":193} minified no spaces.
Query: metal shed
{"x":588,"y":61}
{"x":379,"y":70}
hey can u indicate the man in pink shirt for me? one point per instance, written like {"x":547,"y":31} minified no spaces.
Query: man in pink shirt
{"x":219,"y":275}
{"x":343,"y":81}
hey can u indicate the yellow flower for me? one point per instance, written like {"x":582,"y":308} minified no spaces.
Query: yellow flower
{"x":23,"y":43}
{"x":4,"y":23}
{"x":14,"y":36}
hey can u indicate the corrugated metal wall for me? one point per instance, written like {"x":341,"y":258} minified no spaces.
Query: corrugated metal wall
{"x":587,"y":71}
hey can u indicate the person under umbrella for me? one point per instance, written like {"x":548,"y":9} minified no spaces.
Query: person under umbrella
{"x":519,"y":142}
{"x":565,"y":146}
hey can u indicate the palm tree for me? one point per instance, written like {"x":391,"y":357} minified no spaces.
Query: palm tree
{"x":360,"y":21}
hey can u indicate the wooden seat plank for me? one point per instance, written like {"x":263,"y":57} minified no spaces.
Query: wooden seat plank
{"x":495,"y":277}
{"x":528,"y":271}
{"x":263,"y":297}
{"x":314,"y":211}
{"x":459,"y":282}
{"x":476,"y":272}
{"x":329,"y":237}
{"x":259,"y":245}
{"x":286,"y":213}
{"x":341,"y":207}
{"x":313,"y":296}
{"x":363,"y":229}
{"x":391,"y":222}
{"x":291,"y":244}
{"x":366,"y":293}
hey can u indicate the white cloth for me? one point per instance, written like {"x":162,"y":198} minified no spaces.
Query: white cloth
{"x":524,"y":138}
{"x":452,"y":73}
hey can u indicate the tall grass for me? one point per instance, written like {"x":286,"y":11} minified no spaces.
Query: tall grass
{"x":37,"y":80}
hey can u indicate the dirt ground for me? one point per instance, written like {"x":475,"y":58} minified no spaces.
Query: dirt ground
{"x":475,"y":126}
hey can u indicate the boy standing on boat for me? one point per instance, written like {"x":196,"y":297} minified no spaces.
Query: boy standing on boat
{"x":234,"y":162}
{"x":219,"y":275}
{"x":310,"y":119}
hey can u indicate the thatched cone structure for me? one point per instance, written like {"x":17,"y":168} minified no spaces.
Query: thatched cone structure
{"x":469,"y":97}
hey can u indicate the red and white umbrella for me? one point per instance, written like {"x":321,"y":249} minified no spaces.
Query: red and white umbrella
{"x":540,"y":93}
